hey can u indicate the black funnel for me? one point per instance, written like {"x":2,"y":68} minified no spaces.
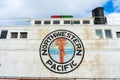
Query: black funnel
{"x":98,"y":14}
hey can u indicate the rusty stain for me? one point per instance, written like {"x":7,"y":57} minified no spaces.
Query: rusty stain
{"x":97,"y":44}
{"x":94,"y":65}
{"x":43,"y":32}
{"x":99,"y":66}
{"x":87,"y":33}
{"x":97,"y":60}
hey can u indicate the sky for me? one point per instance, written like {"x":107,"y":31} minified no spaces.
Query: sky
{"x":46,"y":8}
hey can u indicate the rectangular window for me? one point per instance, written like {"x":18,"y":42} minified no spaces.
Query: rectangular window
{"x":37,"y":22}
{"x":108,"y":34}
{"x":118,"y":34}
{"x":23,"y":34}
{"x":67,"y":22}
{"x":76,"y":22}
{"x":47,"y":22}
{"x":14,"y":35}
{"x":99,"y":34}
{"x":4,"y":34}
{"x":56,"y":22}
{"x":86,"y":22}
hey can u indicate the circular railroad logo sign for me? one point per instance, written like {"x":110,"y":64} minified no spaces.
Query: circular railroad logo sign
{"x":61,"y":51}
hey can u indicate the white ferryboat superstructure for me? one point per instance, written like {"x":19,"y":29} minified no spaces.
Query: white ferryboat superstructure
{"x":60,"y":48}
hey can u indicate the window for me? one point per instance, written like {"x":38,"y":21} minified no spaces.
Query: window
{"x":47,"y":22}
{"x":4,"y":34}
{"x":86,"y":22}
{"x":14,"y":35}
{"x":67,"y":22}
{"x":118,"y":34}
{"x":23,"y":34}
{"x":37,"y":22}
{"x":108,"y":34}
{"x":99,"y":34}
{"x":76,"y":22}
{"x":56,"y":22}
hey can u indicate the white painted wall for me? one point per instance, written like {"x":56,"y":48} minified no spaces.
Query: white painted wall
{"x":20,"y":57}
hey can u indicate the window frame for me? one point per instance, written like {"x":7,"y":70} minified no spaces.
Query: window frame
{"x":38,"y":21}
{"x":58,"y":22}
{"x":14,"y":35}
{"x":67,"y":21}
{"x":118,"y":34}
{"x":23,"y":35}
{"x":97,"y":34}
{"x":76,"y":21}
{"x":47,"y":22}
{"x":3,"y":34}
{"x":108,"y":36}
{"x":86,"y":21}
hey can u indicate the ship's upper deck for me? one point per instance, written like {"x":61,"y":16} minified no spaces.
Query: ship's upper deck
{"x":63,"y":21}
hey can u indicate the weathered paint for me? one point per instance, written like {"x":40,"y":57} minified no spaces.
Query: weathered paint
{"x":20,"y":57}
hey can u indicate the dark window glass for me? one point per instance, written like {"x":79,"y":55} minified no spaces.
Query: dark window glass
{"x":76,"y":22}
{"x":14,"y":35}
{"x":37,"y":22}
{"x":23,"y":34}
{"x":67,"y":22}
{"x":46,"y":22}
{"x":56,"y":22}
{"x":4,"y":34}
{"x":108,"y":34}
{"x":118,"y":34}
{"x":86,"y":22}
{"x":99,"y":34}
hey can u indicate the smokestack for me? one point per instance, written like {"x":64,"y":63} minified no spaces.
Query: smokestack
{"x":98,"y":14}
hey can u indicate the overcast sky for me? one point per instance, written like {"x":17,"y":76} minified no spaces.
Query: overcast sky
{"x":46,"y":8}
